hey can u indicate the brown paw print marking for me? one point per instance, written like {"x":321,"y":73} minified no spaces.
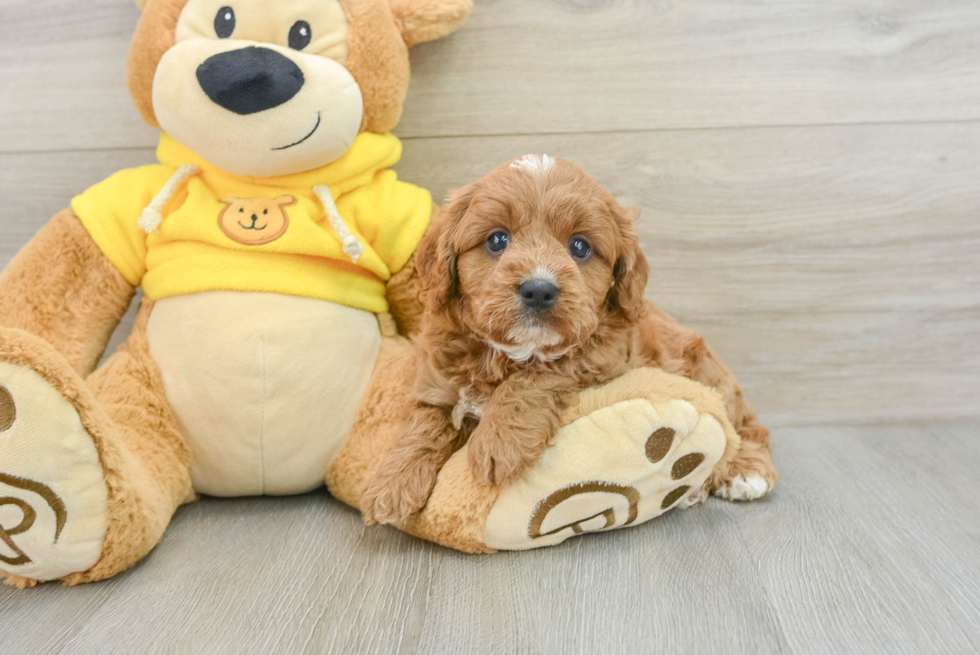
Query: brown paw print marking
{"x":685,"y":465}
{"x":554,"y":500}
{"x":8,"y":411}
{"x":26,"y":523}
{"x":674,"y":496}
{"x":659,"y":444}
{"x":29,"y":515}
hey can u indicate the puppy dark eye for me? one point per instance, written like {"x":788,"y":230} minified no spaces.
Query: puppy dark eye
{"x":300,"y":35}
{"x":224,"y":22}
{"x":579,"y":247}
{"x":497,"y":242}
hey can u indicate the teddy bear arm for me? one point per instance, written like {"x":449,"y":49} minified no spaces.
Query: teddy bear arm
{"x":62,"y":288}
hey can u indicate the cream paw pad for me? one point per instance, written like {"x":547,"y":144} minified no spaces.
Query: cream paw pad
{"x":619,"y":465}
{"x":53,"y":495}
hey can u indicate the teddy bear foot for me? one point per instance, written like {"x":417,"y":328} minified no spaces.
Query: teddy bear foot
{"x":53,"y":496}
{"x":638,"y":447}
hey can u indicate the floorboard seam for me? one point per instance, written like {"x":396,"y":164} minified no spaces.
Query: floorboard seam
{"x":655,"y":130}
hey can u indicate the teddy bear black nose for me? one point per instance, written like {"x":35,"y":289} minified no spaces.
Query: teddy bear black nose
{"x":249,"y":80}
{"x":538,"y":294}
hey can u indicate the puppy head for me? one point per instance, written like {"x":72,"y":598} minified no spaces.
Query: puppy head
{"x":534,"y":258}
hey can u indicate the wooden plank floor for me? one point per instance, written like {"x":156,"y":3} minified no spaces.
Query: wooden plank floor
{"x":808,"y":173}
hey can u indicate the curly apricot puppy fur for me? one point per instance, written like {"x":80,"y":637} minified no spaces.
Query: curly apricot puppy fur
{"x":533,"y":283}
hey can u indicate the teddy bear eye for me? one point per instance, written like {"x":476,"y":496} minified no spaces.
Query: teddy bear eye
{"x":300,"y":35}
{"x":224,"y":22}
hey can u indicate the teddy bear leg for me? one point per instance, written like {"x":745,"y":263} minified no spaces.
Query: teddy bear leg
{"x":90,"y":471}
{"x":630,"y":450}
{"x":627,"y":452}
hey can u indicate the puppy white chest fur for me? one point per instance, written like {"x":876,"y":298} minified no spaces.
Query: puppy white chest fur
{"x":469,"y":405}
{"x":265,"y":386}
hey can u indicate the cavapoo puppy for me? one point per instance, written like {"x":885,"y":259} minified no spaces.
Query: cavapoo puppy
{"x":533,"y":282}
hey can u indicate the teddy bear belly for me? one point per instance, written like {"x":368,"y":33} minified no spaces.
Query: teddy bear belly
{"x":265,"y":387}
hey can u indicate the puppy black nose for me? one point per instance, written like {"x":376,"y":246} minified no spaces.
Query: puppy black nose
{"x":249,"y":80}
{"x":538,"y":294}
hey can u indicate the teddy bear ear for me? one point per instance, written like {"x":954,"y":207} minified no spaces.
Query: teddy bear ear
{"x":140,"y":4}
{"x":426,"y":20}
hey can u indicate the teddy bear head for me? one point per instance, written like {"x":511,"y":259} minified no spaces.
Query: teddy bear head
{"x":264,"y":88}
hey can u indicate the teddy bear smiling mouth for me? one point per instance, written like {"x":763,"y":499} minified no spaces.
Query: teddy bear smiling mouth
{"x":252,"y":226}
{"x":312,"y":132}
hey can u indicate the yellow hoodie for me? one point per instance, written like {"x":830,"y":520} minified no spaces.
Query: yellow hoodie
{"x":214,"y":230}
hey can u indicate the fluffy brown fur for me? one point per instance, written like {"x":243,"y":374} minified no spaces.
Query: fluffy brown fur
{"x":499,"y":377}
{"x":429,"y":20}
{"x":63,"y":289}
{"x":404,"y":291}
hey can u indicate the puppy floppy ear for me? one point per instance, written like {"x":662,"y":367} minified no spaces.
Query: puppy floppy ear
{"x":630,"y":273}
{"x":427,"y":20}
{"x":437,"y":255}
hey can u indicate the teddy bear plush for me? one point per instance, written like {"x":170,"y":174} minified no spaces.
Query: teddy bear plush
{"x":275,"y":249}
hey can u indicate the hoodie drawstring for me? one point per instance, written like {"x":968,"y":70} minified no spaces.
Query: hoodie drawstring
{"x":152,"y":216}
{"x":352,"y":247}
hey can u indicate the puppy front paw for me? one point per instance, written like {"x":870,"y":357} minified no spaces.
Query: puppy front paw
{"x":743,"y":488}
{"x":392,"y":498}
{"x":499,"y":458}
{"x":750,"y":476}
